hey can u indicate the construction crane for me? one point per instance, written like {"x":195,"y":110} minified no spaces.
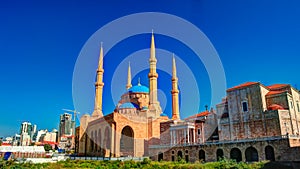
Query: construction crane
{"x":73,"y":111}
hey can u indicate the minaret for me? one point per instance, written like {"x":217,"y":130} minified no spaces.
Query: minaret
{"x":154,"y":105}
{"x":175,"y":91}
{"x":129,"y":85}
{"x":99,"y":86}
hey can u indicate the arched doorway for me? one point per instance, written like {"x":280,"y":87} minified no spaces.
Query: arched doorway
{"x":220,"y":154}
{"x":160,"y":156}
{"x":236,"y":154}
{"x":127,"y":142}
{"x":269,"y":151}
{"x":179,"y":154}
{"x":251,"y":154}
{"x":202,"y":155}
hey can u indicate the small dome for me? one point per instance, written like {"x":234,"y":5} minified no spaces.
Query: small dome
{"x":138,"y":89}
{"x":128,"y":105}
{"x":163,"y":114}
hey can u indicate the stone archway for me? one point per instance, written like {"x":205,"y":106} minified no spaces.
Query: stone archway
{"x":220,"y":154}
{"x":202,"y":155}
{"x":106,"y":143}
{"x":251,"y":154}
{"x":127,"y":142}
{"x":179,"y":154}
{"x":160,"y":156}
{"x":269,"y":151}
{"x":236,"y":154}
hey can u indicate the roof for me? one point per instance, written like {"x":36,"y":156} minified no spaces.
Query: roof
{"x":138,"y":89}
{"x":275,"y":107}
{"x":275,"y":92}
{"x":242,"y":86}
{"x":201,"y":114}
{"x":128,"y":105}
{"x":277,"y":86}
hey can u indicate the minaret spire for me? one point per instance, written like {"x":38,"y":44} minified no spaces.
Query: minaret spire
{"x":99,"y":86}
{"x":129,"y":85}
{"x":174,"y":92}
{"x":154,"y":105}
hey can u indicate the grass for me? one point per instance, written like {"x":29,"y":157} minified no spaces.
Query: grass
{"x":145,"y":164}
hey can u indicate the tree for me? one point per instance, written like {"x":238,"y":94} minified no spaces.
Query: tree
{"x":1,"y":141}
{"x":47,"y":147}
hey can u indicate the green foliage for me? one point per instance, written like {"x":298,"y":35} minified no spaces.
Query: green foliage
{"x":145,"y":164}
{"x":47,"y":147}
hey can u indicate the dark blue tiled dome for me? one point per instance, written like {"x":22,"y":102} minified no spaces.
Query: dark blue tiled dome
{"x":128,"y":105}
{"x":163,"y":114}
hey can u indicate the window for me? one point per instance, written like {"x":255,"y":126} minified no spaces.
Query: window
{"x":245,"y":106}
{"x":292,"y":106}
{"x":199,"y":131}
{"x":298,"y":107}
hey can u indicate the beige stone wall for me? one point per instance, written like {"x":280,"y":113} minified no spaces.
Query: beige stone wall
{"x":248,"y":124}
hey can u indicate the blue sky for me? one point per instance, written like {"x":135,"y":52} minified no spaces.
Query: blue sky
{"x":40,"y":42}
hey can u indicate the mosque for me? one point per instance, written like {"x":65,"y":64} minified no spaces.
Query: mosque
{"x":253,"y":122}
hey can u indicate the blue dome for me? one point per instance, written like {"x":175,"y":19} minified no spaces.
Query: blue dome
{"x":138,"y":89}
{"x":128,"y":105}
{"x":163,"y":114}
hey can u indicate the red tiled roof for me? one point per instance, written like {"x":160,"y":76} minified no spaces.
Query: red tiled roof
{"x":242,"y":86}
{"x":277,"y":86}
{"x":49,"y":142}
{"x":205,"y":113}
{"x":5,"y":144}
{"x":275,"y":92}
{"x":275,"y":107}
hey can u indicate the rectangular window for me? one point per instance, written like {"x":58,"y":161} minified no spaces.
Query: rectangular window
{"x":298,"y":107}
{"x":245,"y":106}
{"x":291,"y":104}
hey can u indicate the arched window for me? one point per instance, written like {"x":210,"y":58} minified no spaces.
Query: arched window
{"x":160,"y":156}
{"x":251,"y":154}
{"x":202,"y":155}
{"x":236,"y":154}
{"x":269,"y":151}
{"x":220,"y":154}
{"x":179,"y":154}
{"x":186,"y":155}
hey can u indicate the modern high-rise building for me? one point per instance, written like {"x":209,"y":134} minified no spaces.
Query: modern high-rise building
{"x":66,"y":125}
{"x":66,"y":131}
{"x":27,"y":132}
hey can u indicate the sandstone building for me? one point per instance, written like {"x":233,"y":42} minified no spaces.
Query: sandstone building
{"x":253,"y":122}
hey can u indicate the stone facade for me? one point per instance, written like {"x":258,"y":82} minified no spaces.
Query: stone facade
{"x":253,"y":122}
